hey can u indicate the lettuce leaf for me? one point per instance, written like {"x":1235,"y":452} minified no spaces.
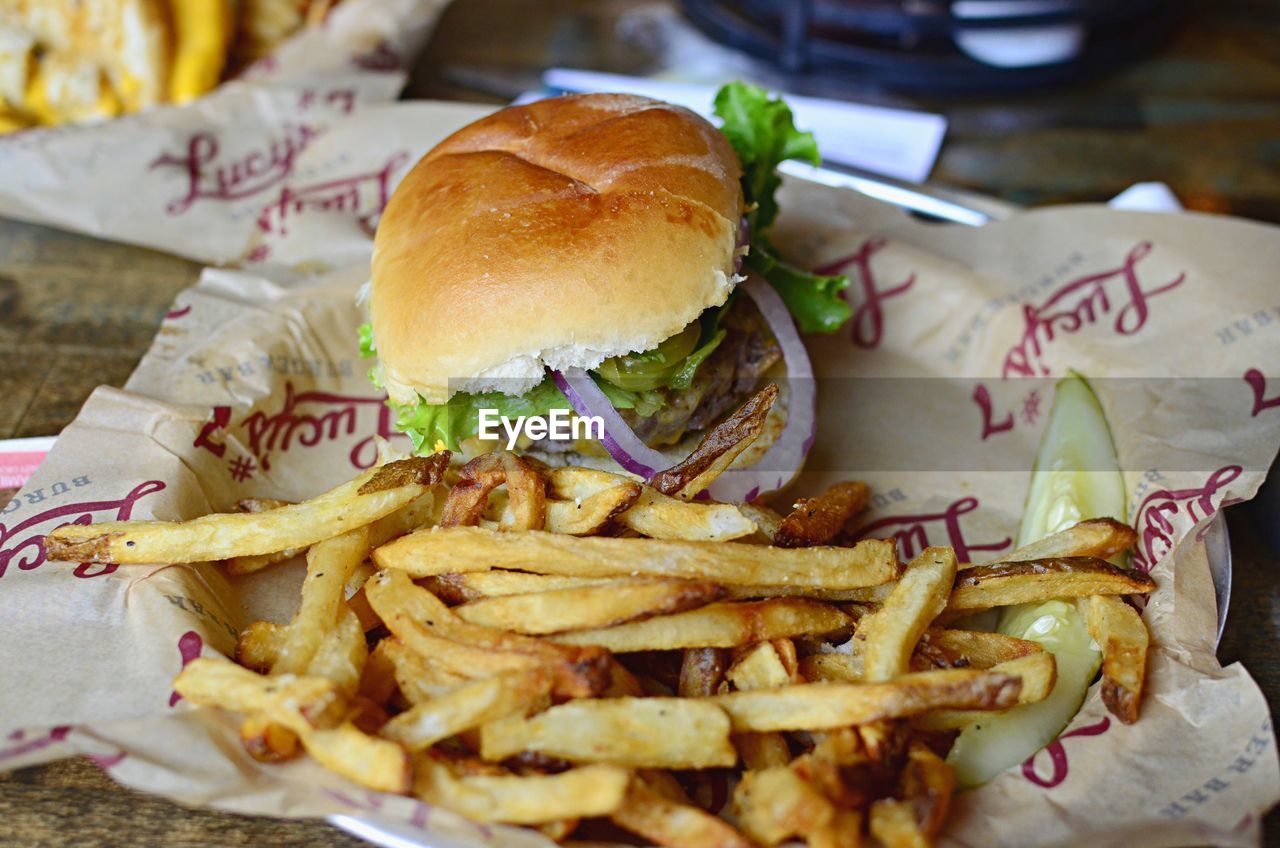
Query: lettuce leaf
{"x":763,"y":133}
{"x":457,"y":420}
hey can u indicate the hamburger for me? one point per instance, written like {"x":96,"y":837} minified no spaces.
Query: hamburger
{"x":604,"y":255}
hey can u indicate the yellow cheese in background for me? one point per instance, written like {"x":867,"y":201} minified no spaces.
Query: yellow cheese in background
{"x":203,"y":32}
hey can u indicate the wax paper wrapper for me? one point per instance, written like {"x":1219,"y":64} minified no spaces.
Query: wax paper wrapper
{"x":209,"y":168}
{"x":936,"y":394}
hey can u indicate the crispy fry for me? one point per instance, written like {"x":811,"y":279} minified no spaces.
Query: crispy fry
{"x":776,"y":804}
{"x":516,"y":799}
{"x":819,"y":706}
{"x":638,"y":732}
{"x":342,"y":653}
{"x":654,"y":514}
{"x":470,"y":705}
{"x":671,"y":823}
{"x":527,"y":494}
{"x":1098,"y":537}
{"x":370,"y":496}
{"x":719,"y":625}
{"x":702,"y":671}
{"x":979,"y":649}
{"x":890,"y":635}
{"x":924,"y":793}
{"x":868,"y":595}
{"x":418,"y":678}
{"x":1119,"y":629}
{"x":761,"y":667}
{"x":718,"y":448}
{"x":259,"y":645}
{"x":816,"y":521}
{"x":762,"y":750}
{"x":590,"y":607}
{"x":460,"y":588}
{"x":1038,"y":673}
{"x":378,"y":680}
{"x":1033,"y":581}
{"x":331,"y":565}
{"x":836,"y":668}
{"x":593,"y":514}
{"x":367,"y":760}
{"x":430,"y":628}
{"x":438,"y":551}
{"x":766,"y":519}
{"x":300,"y":703}
{"x":266,"y":741}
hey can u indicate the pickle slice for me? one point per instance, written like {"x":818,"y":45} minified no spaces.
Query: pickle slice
{"x":1076,"y":476}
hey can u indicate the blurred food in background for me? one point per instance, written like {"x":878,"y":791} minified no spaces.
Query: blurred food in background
{"x":71,"y":61}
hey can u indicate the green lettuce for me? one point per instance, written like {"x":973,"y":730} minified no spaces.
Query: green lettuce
{"x":763,"y":133}
{"x":458,"y":419}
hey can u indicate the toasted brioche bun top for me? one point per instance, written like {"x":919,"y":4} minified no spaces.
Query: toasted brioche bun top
{"x":551,"y":235}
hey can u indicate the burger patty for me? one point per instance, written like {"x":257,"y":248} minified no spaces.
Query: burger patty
{"x":723,"y":381}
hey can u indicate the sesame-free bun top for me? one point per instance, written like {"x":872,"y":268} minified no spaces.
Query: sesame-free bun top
{"x":555,"y":234}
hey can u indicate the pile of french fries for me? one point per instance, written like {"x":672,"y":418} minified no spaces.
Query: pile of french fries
{"x":595,"y":655}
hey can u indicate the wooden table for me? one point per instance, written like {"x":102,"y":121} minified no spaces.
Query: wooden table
{"x":1203,"y":114}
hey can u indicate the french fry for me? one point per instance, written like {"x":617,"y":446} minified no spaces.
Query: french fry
{"x":372,"y":495}
{"x":258,"y":645}
{"x":419,"y":679}
{"x":300,"y":703}
{"x":890,"y":634}
{"x":637,"y":732}
{"x":518,"y":799}
{"x":718,"y":448}
{"x":766,"y":665}
{"x":820,"y":706}
{"x":367,"y":760}
{"x":654,"y":514}
{"x":593,"y":514}
{"x":868,"y":595}
{"x":762,"y":750}
{"x":428,"y":627}
{"x":766,"y":519}
{"x":760,"y":667}
{"x":816,"y":521}
{"x":437,"y":551}
{"x":671,"y":823}
{"x":835,"y":668}
{"x":589,"y":607}
{"x":527,"y":497}
{"x":331,"y":565}
{"x":1097,"y":537}
{"x":702,"y":671}
{"x":257,"y":562}
{"x":719,"y":625}
{"x":1033,"y":581}
{"x":1038,"y":673}
{"x":917,"y":814}
{"x":470,"y":705}
{"x":342,"y":653}
{"x":378,"y":680}
{"x":460,"y":588}
{"x":266,"y":741}
{"x":980,"y":649}
{"x":776,"y":804}
{"x":1119,"y":630}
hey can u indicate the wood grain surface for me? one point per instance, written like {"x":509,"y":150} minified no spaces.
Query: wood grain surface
{"x":1202,"y":113}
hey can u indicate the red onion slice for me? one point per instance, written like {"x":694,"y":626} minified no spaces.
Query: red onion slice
{"x":780,"y":463}
{"x":785,"y":457}
{"x":626,"y":448}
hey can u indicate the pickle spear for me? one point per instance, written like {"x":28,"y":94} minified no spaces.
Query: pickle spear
{"x":1076,"y":476}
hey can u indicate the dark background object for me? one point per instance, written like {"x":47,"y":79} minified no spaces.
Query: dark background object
{"x":911,"y":45}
